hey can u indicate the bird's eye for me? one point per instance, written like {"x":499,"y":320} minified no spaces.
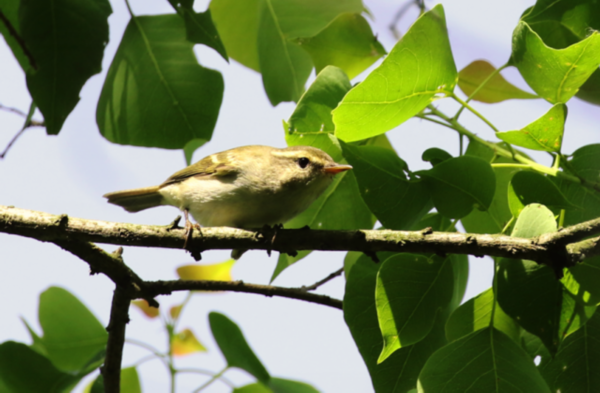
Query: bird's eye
{"x":303,"y":162}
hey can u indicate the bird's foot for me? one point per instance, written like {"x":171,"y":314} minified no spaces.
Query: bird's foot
{"x":187,"y":235}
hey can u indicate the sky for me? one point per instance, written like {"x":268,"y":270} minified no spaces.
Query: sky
{"x":70,"y":172}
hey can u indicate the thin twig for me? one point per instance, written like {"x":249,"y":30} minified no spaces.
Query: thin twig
{"x":13,"y":32}
{"x":167,"y":287}
{"x":323,"y":281}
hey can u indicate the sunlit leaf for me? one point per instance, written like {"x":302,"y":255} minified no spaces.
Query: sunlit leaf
{"x":554,"y":74}
{"x":476,"y":314}
{"x":419,"y":68}
{"x":544,"y":134}
{"x":185,"y":343}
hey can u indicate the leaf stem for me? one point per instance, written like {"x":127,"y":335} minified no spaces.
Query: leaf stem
{"x":481,"y":85}
{"x":213,"y":379}
{"x":472,"y":110}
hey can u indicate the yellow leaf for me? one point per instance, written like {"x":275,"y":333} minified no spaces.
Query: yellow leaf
{"x":143,"y":306}
{"x":219,"y":271}
{"x":185,"y":343}
{"x":175,"y":311}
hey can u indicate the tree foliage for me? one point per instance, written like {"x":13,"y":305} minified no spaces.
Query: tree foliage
{"x":406,"y":313}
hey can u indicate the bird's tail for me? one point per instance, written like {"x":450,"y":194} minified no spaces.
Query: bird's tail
{"x":137,"y":199}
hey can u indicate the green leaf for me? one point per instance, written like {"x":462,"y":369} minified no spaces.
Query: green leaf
{"x":234,"y":346}
{"x":73,"y":336}
{"x":459,"y":183}
{"x":340,"y":207}
{"x":191,"y":147}
{"x":484,"y":361}
{"x":544,"y":134}
{"x":494,"y":219}
{"x":583,"y":280}
{"x":586,"y":163}
{"x":574,"y":314}
{"x":313,"y":112}
{"x":348,"y":43}
{"x":476,"y":313}
{"x":130,"y":382}
{"x":527,"y":291}
{"x":399,"y":372}
{"x":397,"y":203}
{"x":554,"y":74}
{"x":22,"y":370}
{"x":283,"y":64}
{"x":531,"y":187}
{"x":68,"y":49}
{"x":435,"y":156}
{"x":411,"y":290}
{"x":200,"y":29}
{"x":277,"y":385}
{"x":155,"y":93}
{"x":418,"y":70}
{"x":497,"y":89}
{"x":590,"y":90}
{"x":10,"y":9}
{"x":574,"y":367}
{"x":237,"y":24}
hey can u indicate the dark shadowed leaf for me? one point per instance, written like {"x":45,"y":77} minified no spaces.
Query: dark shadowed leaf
{"x":585,"y":162}
{"x":574,"y":368}
{"x":419,"y":68}
{"x":397,"y":202}
{"x":155,"y":93}
{"x":399,"y":372}
{"x":497,"y":89}
{"x":458,"y":184}
{"x":411,"y":290}
{"x":10,"y":9}
{"x":22,"y":370}
{"x":68,"y":49}
{"x":484,"y":361}
{"x":544,"y":134}
{"x":531,"y":187}
{"x":200,"y":29}
{"x":234,"y":346}
{"x":348,"y":43}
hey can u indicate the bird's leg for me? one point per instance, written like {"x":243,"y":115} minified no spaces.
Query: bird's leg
{"x":275,"y":228}
{"x":189,"y":229}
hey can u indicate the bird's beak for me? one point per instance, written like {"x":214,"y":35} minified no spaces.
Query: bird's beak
{"x":337,"y":168}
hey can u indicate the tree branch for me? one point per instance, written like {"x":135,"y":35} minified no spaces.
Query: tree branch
{"x":166,"y":287}
{"x":323,"y":281}
{"x":49,"y":227}
{"x":119,"y":318}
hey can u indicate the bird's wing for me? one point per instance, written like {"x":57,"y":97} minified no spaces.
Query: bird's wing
{"x":209,"y":167}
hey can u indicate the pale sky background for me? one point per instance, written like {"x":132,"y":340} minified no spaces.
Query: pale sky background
{"x":295,"y":340}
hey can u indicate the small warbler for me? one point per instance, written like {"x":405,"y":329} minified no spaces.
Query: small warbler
{"x":246,"y":187}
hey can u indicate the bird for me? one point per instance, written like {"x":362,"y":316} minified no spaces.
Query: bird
{"x":247,"y":187}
